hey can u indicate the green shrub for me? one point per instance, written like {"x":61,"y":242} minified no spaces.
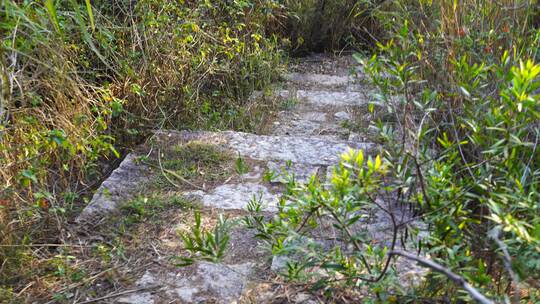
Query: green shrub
{"x":321,"y":235}
{"x":462,"y":84}
{"x":81,"y":82}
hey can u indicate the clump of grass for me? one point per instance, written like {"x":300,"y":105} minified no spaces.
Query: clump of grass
{"x":144,"y":208}
{"x":196,"y":163}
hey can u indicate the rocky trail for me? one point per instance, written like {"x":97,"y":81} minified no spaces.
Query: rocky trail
{"x":318,"y":102}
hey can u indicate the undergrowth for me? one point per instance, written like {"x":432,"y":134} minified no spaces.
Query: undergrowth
{"x":461,"y":81}
{"x":81,"y":82}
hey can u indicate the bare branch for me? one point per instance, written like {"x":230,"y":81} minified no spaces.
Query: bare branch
{"x":458,"y":280}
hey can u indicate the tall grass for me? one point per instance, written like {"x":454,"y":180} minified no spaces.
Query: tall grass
{"x":81,"y":83}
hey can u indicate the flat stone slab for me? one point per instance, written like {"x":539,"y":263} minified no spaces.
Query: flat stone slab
{"x":235,"y":196}
{"x":313,"y":123}
{"x":130,"y":176}
{"x":206,"y":283}
{"x":117,"y":188}
{"x":290,"y":124}
{"x":319,"y":80}
{"x":342,"y":116}
{"x":327,"y":98}
{"x":314,"y":116}
{"x":297,"y":149}
{"x":302,"y":173}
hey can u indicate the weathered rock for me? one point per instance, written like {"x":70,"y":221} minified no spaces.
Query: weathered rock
{"x":297,"y":149}
{"x":235,"y":196}
{"x":130,"y":176}
{"x":137,"y":298}
{"x":314,"y":116}
{"x":120,"y":187}
{"x":321,"y":80}
{"x":207,"y":282}
{"x":341,"y":116}
{"x":328,"y":98}
{"x":302,"y":173}
{"x":222,"y":283}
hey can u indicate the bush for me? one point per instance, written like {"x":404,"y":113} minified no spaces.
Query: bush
{"x":462,"y":83}
{"x":461,"y":86}
{"x":82,"y":82}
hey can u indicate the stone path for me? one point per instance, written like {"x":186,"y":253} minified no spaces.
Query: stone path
{"x":306,"y":138}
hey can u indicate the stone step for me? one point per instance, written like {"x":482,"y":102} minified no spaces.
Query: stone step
{"x":321,"y":98}
{"x":208,"y":283}
{"x":305,"y":154}
{"x":329,"y":125}
{"x":307,"y":140}
{"x":296,"y":149}
{"x":329,"y":82}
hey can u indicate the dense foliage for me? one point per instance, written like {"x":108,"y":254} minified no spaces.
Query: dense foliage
{"x":465,"y":136}
{"x":80,"y":82}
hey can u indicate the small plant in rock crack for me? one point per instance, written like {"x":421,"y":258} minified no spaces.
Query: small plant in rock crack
{"x":205,"y":245}
{"x":319,"y":234}
{"x":241,"y":166}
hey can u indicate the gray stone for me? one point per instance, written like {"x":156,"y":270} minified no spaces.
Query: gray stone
{"x":235,"y":196}
{"x":328,"y":98}
{"x":297,"y":149}
{"x":297,"y":126}
{"x":127,"y":179}
{"x":302,"y":173}
{"x":205,"y":282}
{"x":319,"y":79}
{"x":224,"y":282}
{"x":314,"y":116}
{"x":254,"y":174}
{"x":120,"y":187}
{"x":341,"y":116}
{"x":325,"y":98}
{"x":355,"y":137}
{"x":279,"y":263}
{"x":137,"y":298}
{"x":146,"y":280}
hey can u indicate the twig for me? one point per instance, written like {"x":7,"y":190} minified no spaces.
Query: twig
{"x":458,"y":280}
{"x":495,"y":234}
{"x":164,"y":171}
{"x":83,"y":282}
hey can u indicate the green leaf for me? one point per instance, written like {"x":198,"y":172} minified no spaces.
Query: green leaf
{"x":90,"y":14}
{"x":51,"y":10}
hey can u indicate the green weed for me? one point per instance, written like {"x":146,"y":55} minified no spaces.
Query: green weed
{"x":144,"y":208}
{"x":206,"y":245}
